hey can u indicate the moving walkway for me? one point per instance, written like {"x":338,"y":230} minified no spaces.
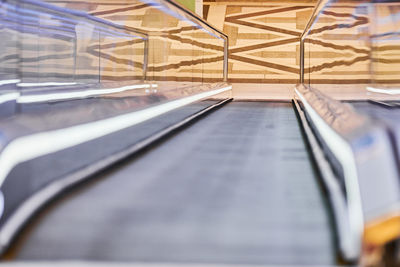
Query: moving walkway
{"x":123,"y":154}
{"x":180,"y":201}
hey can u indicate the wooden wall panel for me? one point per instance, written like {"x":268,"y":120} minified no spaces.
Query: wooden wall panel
{"x":264,"y":38}
{"x":264,"y":41}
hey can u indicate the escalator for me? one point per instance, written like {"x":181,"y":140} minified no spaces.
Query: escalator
{"x":236,"y":187}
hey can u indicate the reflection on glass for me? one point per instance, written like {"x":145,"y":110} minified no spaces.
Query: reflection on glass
{"x":337,"y":45}
{"x":385,"y":47}
{"x":8,"y":49}
{"x":355,"y":43}
{"x":54,"y":46}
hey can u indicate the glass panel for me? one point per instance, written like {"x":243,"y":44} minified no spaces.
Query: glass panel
{"x":337,"y":46}
{"x":385,"y":46}
{"x":59,"y":46}
{"x":353,"y":48}
{"x":9,"y":52}
{"x":98,"y":78}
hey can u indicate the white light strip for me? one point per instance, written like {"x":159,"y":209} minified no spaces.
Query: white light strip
{"x":344,"y":154}
{"x":44,"y":84}
{"x":26,"y":209}
{"x":336,"y":195}
{"x":32,"y":146}
{"x":8,"y":97}
{"x":395,"y":91}
{"x":84,"y":263}
{"x":78,"y":94}
{"x":4,"y":82}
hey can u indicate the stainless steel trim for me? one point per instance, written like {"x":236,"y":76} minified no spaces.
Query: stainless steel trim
{"x":145,"y":58}
{"x":226,"y":56}
{"x":301,"y":61}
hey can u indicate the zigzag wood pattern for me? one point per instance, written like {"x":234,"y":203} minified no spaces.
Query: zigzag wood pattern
{"x":264,"y":38}
{"x":264,"y":43}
